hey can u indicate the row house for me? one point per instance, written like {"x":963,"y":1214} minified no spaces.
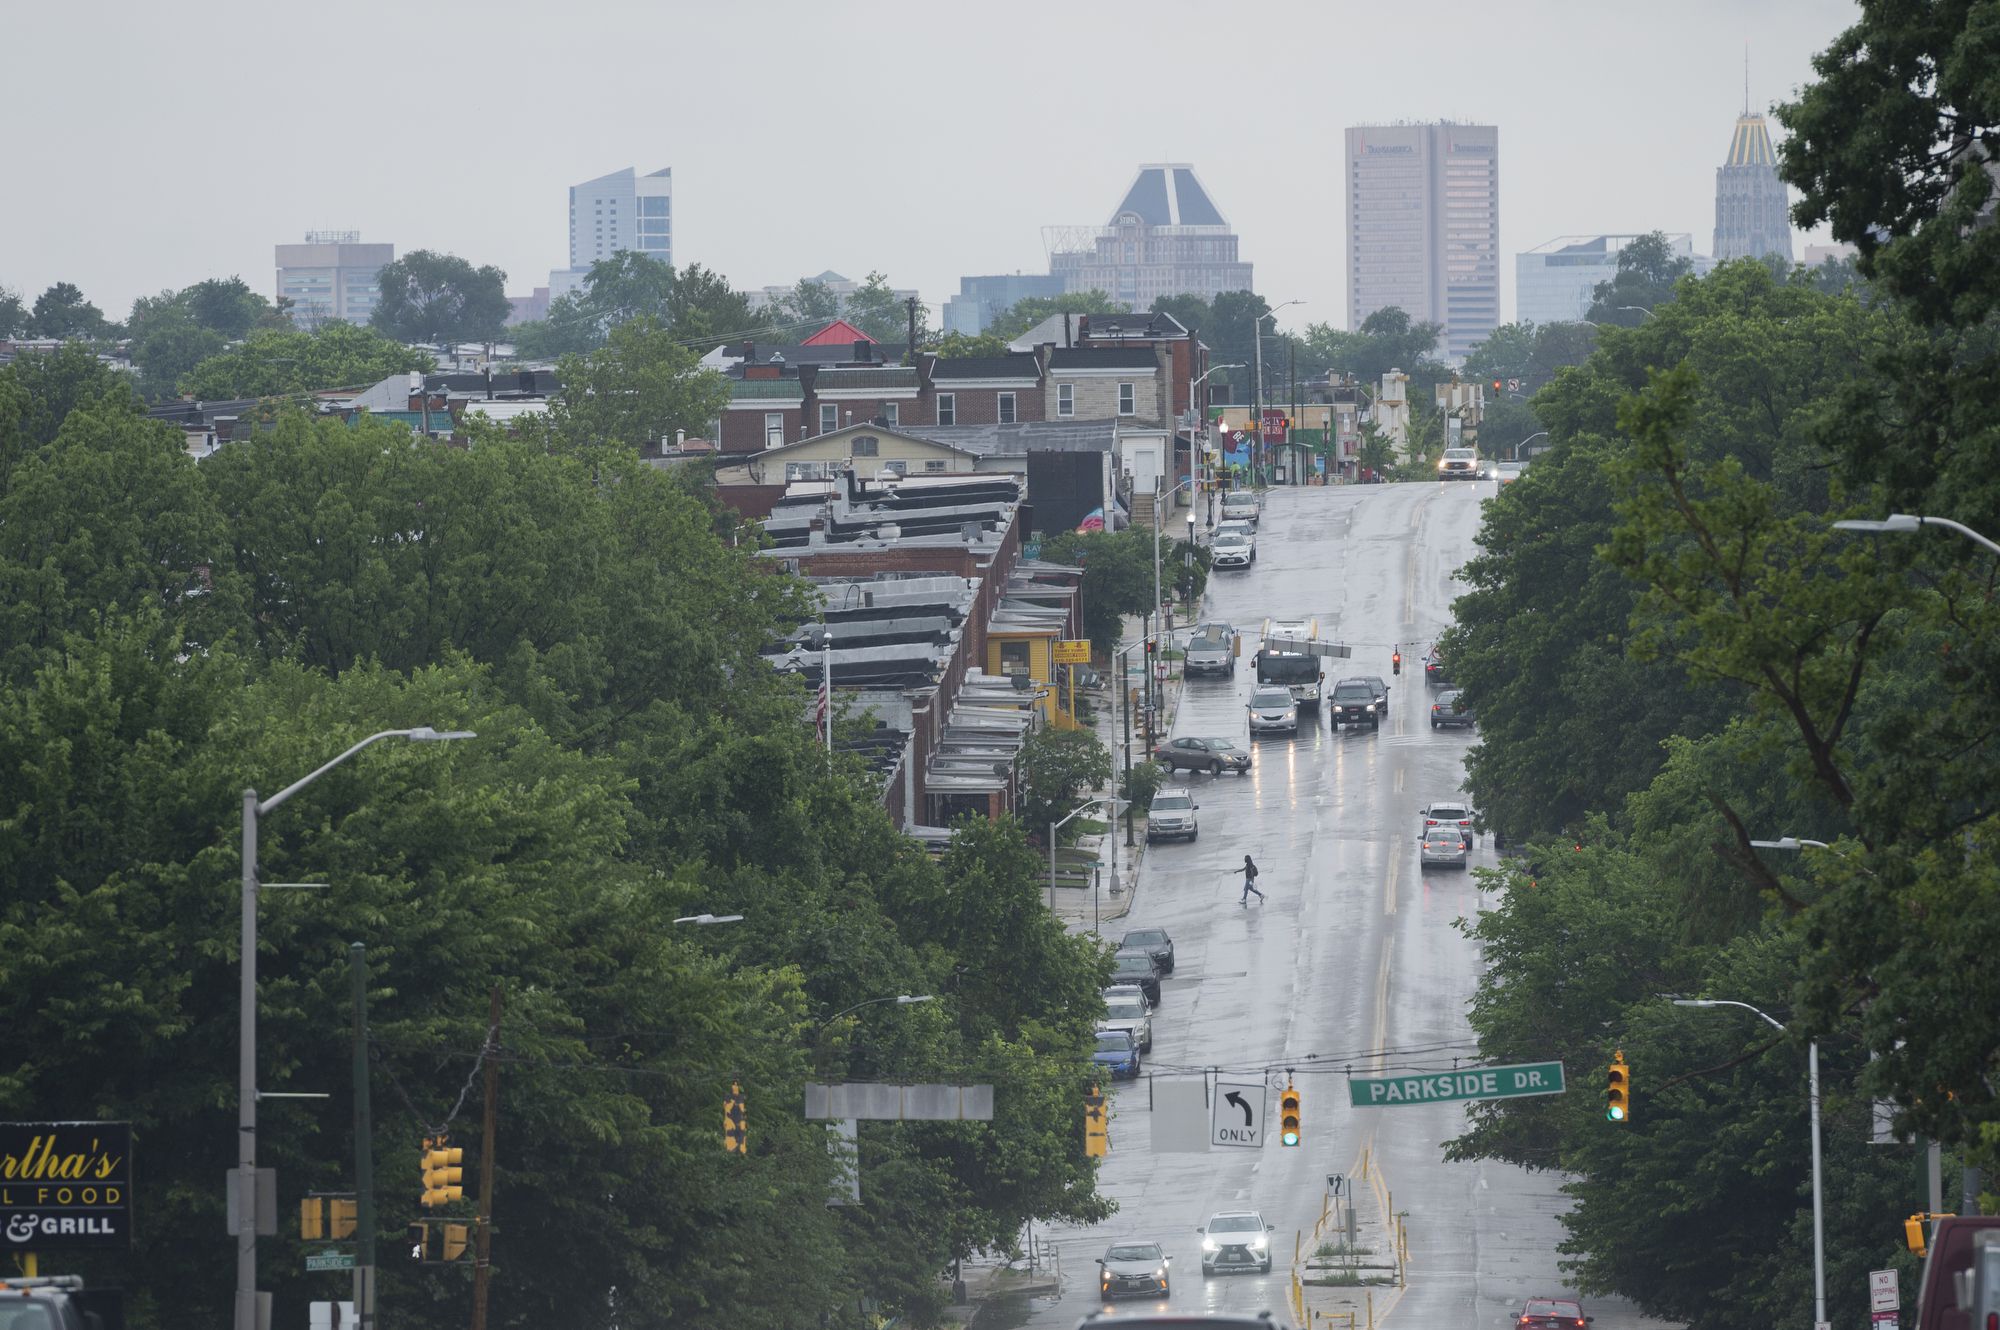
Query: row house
{"x":774,"y":402}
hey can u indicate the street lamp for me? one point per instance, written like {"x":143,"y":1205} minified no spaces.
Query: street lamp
{"x":1633,"y":309}
{"x":1812,"y":1067}
{"x":1897,"y":523}
{"x":1054,"y":827}
{"x":900,"y":999}
{"x":1516,"y":455}
{"x":1200,"y":415}
{"x":1257,"y":396}
{"x":246,"y":1047}
{"x":709,"y":919}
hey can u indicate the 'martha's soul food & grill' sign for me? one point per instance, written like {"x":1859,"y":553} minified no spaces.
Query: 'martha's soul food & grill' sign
{"x":65,"y":1184}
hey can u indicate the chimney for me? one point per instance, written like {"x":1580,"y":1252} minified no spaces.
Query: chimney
{"x":1066,"y":342}
{"x":861,"y":350}
{"x":749,"y":350}
{"x":1083,"y":327}
{"x":489,"y":383}
{"x":910,"y":357}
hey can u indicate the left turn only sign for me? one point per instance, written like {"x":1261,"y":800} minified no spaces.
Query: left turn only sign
{"x":1236,"y":1114}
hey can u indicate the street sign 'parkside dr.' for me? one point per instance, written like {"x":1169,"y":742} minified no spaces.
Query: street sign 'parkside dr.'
{"x":1515,"y":1082}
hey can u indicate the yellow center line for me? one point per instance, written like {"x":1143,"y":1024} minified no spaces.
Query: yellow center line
{"x":1389,"y":902}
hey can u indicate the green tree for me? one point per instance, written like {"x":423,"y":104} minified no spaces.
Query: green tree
{"x":810,"y":307}
{"x":877,"y":310}
{"x":957,"y":346}
{"x":1228,"y":325}
{"x":334,"y":355}
{"x":1117,"y":576}
{"x":15,"y":320}
{"x":61,"y":311}
{"x":1648,"y":268}
{"x":1025,"y":313}
{"x":1060,"y":765}
{"x":440,"y":298}
{"x":639,"y":388}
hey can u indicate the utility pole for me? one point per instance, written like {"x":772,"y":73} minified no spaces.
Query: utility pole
{"x":1125,"y":697}
{"x":910,"y":304}
{"x":483,"y":1239}
{"x":364,"y":1147}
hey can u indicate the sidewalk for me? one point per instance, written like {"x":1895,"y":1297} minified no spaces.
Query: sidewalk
{"x":1081,"y":907}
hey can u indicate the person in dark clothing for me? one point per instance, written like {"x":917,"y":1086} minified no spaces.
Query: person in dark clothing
{"x":1249,"y":880}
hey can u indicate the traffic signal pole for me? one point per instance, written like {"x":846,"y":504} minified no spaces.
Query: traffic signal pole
{"x":489,"y":1123}
{"x":364,"y":1147}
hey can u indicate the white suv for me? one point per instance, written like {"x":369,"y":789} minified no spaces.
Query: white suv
{"x":1172,"y":815}
{"x":1459,"y":464}
{"x":1236,"y":1240}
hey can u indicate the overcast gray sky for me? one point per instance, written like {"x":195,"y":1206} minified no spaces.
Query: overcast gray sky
{"x":159,"y":144}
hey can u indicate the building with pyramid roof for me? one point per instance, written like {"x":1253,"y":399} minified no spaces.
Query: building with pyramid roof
{"x":1752,"y":212}
{"x":1166,"y":237}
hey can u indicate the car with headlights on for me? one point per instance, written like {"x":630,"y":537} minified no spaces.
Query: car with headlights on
{"x":1459,"y":464}
{"x":1450,"y":708}
{"x":1236,"y":1240}
{"x":1130,"y":1013}
{"x":1134,"y":1268}
{"x":1355,"y":702}
{"x":1117,"y":1051}
{"x":1273,"y":711}
{"x":1508,"y":472}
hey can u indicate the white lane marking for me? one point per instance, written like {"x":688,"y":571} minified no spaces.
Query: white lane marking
{"x":1389,"y":901}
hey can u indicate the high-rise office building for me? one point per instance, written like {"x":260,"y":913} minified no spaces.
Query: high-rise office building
{"x":620,"y":211}
{"x":332,"y":276}
{"x":980,"y":300}
{"x":1752,"y":214}
{"x":1557,"y":282}
{"x":1423,"y":227}
{"x":1166,"y":238}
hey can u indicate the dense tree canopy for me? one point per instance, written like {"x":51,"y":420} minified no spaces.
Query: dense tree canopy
{"x":440,"y":298}
{"x":1647,"y":271}
{"x":173,"y":632}
{"x":1024,"y":314}
{"x":694,"y":303}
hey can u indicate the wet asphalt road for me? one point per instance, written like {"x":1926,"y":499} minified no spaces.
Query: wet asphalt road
{"x":1352,"y":961}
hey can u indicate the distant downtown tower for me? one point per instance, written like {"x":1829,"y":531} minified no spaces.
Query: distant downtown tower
{"x":1752,"y":216}
{"x":1423,"y":226}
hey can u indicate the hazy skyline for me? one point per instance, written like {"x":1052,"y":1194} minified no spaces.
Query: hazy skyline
{"x":928,"y":141}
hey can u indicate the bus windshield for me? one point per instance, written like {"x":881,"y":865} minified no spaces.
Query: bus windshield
{"x":1274,"y":668}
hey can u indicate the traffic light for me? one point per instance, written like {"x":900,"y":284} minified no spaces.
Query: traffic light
{"x":1096,"y":1133}
{"x":312,"y":1221}
{"x":441,"y":1172}
{"x":1498,"y":387}
{"x":1618,"y":1089}
{"x":1288,"y":1117}
{"x":1151,"y":646}
{"x":1396,"y":663}
{"x":1913,"y":1235}
{"x":735,"y":1122}
{"x":456,"y":1238}
{"x":341,"y":1226}
{"x":420,"y":1241}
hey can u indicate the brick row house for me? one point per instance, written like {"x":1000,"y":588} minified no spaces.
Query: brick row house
{"x":1134,"y":371}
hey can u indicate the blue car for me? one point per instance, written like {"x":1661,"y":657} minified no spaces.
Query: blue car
{"x":1117,"y":1050}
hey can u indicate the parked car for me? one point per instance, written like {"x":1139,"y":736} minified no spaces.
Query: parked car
{"x":1156,"y":942}
{"x":1133,"y":1267}
{"x":1171,"y":816}
{"x":1553,"y":1314}
{"x":1232,"y":549}
{"x":1211,"y":755}
{"x":1450,"y":708}
{"x":1116,"y":991}
{"x":1236,"y":1240}
{"x":1442,"y":847}
{"x":1451,"y":814}
{"x":1119,"y":1051}
{"x":1130,"y":1014}
{"x":1211,"y":650}
{"x":1273,"y":710}
{"x":1137,"y":969}
{"x":1241,"y":505}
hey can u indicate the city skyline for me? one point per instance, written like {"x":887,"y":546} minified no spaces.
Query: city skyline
{"x":1618,"y":147}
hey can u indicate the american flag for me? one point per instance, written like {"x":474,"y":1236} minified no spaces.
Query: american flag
{"x":820,"y":721}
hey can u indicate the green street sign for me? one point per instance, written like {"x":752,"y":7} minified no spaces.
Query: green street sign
{"x":331,"y":1259}
{"x":1515,"y":1082}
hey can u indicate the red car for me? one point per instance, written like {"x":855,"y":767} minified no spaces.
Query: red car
{"x":1553,"y":1314}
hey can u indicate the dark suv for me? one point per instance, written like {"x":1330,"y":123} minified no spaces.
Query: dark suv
{"x":1355,"y":702}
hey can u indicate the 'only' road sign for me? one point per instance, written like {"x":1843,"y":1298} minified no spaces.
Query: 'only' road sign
{"x":1515,"y":1082}
{"x":1236,"y":1114}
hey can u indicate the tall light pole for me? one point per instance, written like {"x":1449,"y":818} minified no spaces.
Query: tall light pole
{"x":1200,"y":415}
{"x":1812,"y":1093}
{"x":246,"y":1046}
{"x":1054,"y":827}
{"x":1898,"y":523}
{"x":1515,"y":456}
{"x":1257,"y":396}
